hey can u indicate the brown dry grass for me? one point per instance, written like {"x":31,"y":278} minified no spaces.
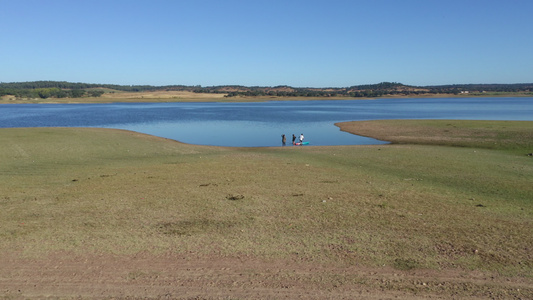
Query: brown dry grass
{"x":118,"y":96}
{"x":176,"y":95}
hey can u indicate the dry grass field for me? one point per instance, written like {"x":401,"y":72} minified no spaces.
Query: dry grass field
{"x":112,"y":96}
{"x":101,"y":214}
{"x":162,"y":95}
{"x":115,"y":96}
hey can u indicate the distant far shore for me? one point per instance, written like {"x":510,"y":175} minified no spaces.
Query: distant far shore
{"x":69,"y":92}
{"x":183,"y":96}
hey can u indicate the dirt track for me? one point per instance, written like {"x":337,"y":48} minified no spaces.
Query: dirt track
{"x":63,"y":275}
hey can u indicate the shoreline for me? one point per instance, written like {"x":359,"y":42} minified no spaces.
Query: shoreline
{"x":215,"y":98}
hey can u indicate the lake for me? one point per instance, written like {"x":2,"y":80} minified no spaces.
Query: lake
{"x":260,"y":124}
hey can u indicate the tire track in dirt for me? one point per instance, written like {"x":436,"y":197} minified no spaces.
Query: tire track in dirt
{"x":185,"y":277}
{"x":20,"y":152}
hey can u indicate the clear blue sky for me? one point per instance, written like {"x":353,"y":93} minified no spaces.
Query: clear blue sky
{"x":309,"y":43}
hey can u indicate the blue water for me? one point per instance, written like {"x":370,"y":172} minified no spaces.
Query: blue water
{"x":259,"y":124}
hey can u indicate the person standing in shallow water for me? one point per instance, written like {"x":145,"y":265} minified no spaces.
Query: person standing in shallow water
{"x":293,"y":139}
{"x":283,"y":140}
{"x":301,"y":138}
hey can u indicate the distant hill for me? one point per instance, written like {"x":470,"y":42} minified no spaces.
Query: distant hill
{"x":63,"y":89}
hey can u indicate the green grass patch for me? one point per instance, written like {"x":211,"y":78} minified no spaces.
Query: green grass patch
{"x":513,"y":136}
{"x":404,"y":206}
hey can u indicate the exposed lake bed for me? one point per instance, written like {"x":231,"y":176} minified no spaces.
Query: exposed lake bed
{"x":390,"y":214}
{"x":437,"y":221}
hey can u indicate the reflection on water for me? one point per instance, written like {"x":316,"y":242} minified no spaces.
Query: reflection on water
{"x":259,"y":124}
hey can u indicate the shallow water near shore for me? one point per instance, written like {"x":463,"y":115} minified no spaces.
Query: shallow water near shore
{"x":260,"y":124}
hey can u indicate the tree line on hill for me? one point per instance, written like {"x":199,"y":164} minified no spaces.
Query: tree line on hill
{"x":373,"y":90}
{"x":62,"y":89}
